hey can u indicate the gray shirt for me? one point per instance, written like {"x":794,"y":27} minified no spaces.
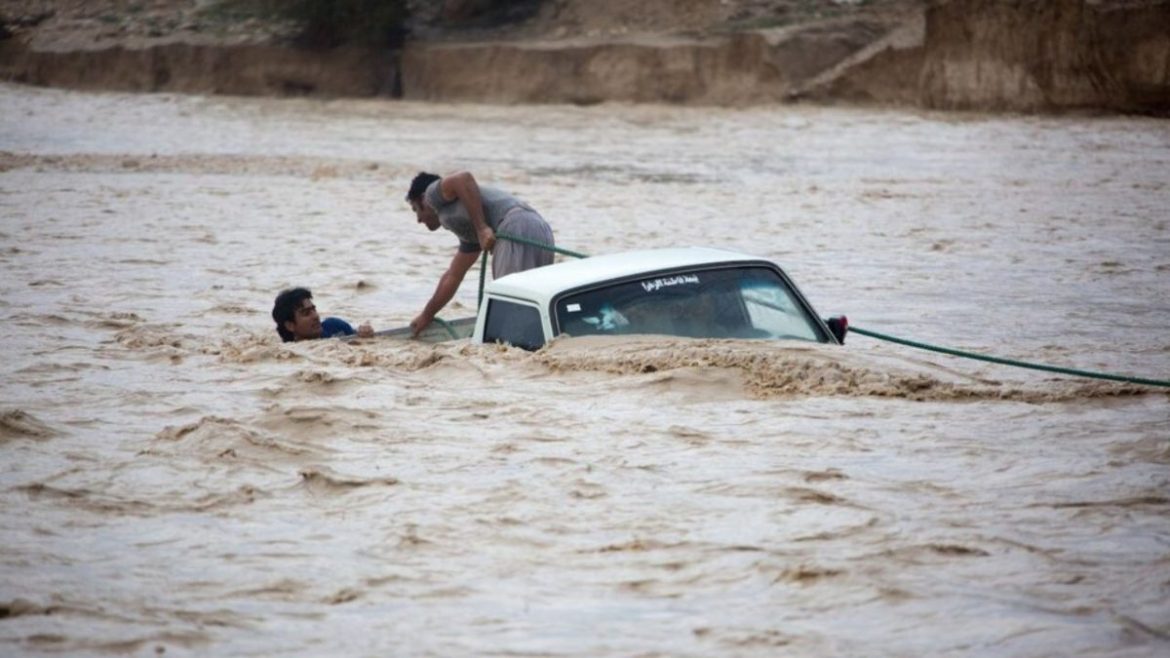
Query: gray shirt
{"x":453,"y":215}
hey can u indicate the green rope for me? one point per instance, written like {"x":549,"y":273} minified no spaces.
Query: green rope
{"x":447,"y":325}
{"x":1011,"y":362}
{"x":482,"y":277}
{"x":515,"y":238}
{"x":534,"y":243}
{"x":874,"y":334}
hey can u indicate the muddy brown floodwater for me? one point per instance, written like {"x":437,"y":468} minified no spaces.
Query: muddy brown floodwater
{"x":176,"y":481}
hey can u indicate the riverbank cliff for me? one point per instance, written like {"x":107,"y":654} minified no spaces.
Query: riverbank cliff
{"x":981,"y":55}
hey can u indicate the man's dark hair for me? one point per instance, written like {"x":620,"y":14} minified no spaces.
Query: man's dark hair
{"x":419,"y":185}
{"x":285,"y":309}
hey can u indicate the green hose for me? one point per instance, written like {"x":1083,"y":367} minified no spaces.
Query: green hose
{"x":534,"y":243}
{"x":1011,"y":362}
{"x":447,"y":325}
{"x":482,"y":278}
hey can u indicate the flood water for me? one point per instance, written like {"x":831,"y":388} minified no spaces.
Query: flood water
{"x":176,"y":481}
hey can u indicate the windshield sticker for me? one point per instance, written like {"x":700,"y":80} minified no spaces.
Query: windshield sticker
{"x":573,"y":308}
{"x":666,"y":282}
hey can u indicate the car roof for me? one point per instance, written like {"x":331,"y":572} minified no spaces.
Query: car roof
{"x":541,"y":284}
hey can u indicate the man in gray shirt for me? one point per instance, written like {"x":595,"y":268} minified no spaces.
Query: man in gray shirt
{"x":474,"y":214}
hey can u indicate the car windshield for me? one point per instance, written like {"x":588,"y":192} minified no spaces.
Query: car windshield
{"x":738,"y":302}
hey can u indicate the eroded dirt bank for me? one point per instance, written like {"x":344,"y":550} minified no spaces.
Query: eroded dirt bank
{"x":994,"y":55}
{"x":237,"y":69}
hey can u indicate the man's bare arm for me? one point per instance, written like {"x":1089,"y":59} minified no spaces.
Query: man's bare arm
{"x":448,"y":286}
{"x":462,"y":186}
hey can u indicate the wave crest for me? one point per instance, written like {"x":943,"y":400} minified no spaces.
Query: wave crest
{"x":791,"y":369}
{"x":18,"y":424}
{"x":320,"y":479}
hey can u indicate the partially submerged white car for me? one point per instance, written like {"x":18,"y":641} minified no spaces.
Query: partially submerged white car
{"x":693,"y":292}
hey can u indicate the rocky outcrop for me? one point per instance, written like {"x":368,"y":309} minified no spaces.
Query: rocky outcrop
{"x":1045,"y":56}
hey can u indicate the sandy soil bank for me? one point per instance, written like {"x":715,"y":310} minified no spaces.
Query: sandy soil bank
{"x":989,"y":55}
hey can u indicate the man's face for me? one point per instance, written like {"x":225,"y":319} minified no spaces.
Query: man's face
{"x":425,"y":215}
{"x":306,"y":324}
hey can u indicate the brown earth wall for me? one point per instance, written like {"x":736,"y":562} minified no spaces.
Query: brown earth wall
{"x":1046,"y":56}
{"x":988,"y":55}
{"x":743,"y":68}
{"x":209,"y":69}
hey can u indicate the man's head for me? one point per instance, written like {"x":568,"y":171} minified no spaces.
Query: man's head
{"x":295,"y":315}
{"x":425,"y":214}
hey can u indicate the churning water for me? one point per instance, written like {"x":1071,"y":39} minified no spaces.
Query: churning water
{"x":176,"y":481}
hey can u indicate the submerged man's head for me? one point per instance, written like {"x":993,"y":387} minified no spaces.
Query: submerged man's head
{"x":295,"y":315}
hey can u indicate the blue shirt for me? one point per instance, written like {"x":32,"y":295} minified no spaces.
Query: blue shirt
{"x":331,"y":327}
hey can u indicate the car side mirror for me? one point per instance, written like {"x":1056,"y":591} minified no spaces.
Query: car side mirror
{"x":838,"y":326}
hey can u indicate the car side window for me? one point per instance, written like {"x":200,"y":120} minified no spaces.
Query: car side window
{"x":515,"y":324}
